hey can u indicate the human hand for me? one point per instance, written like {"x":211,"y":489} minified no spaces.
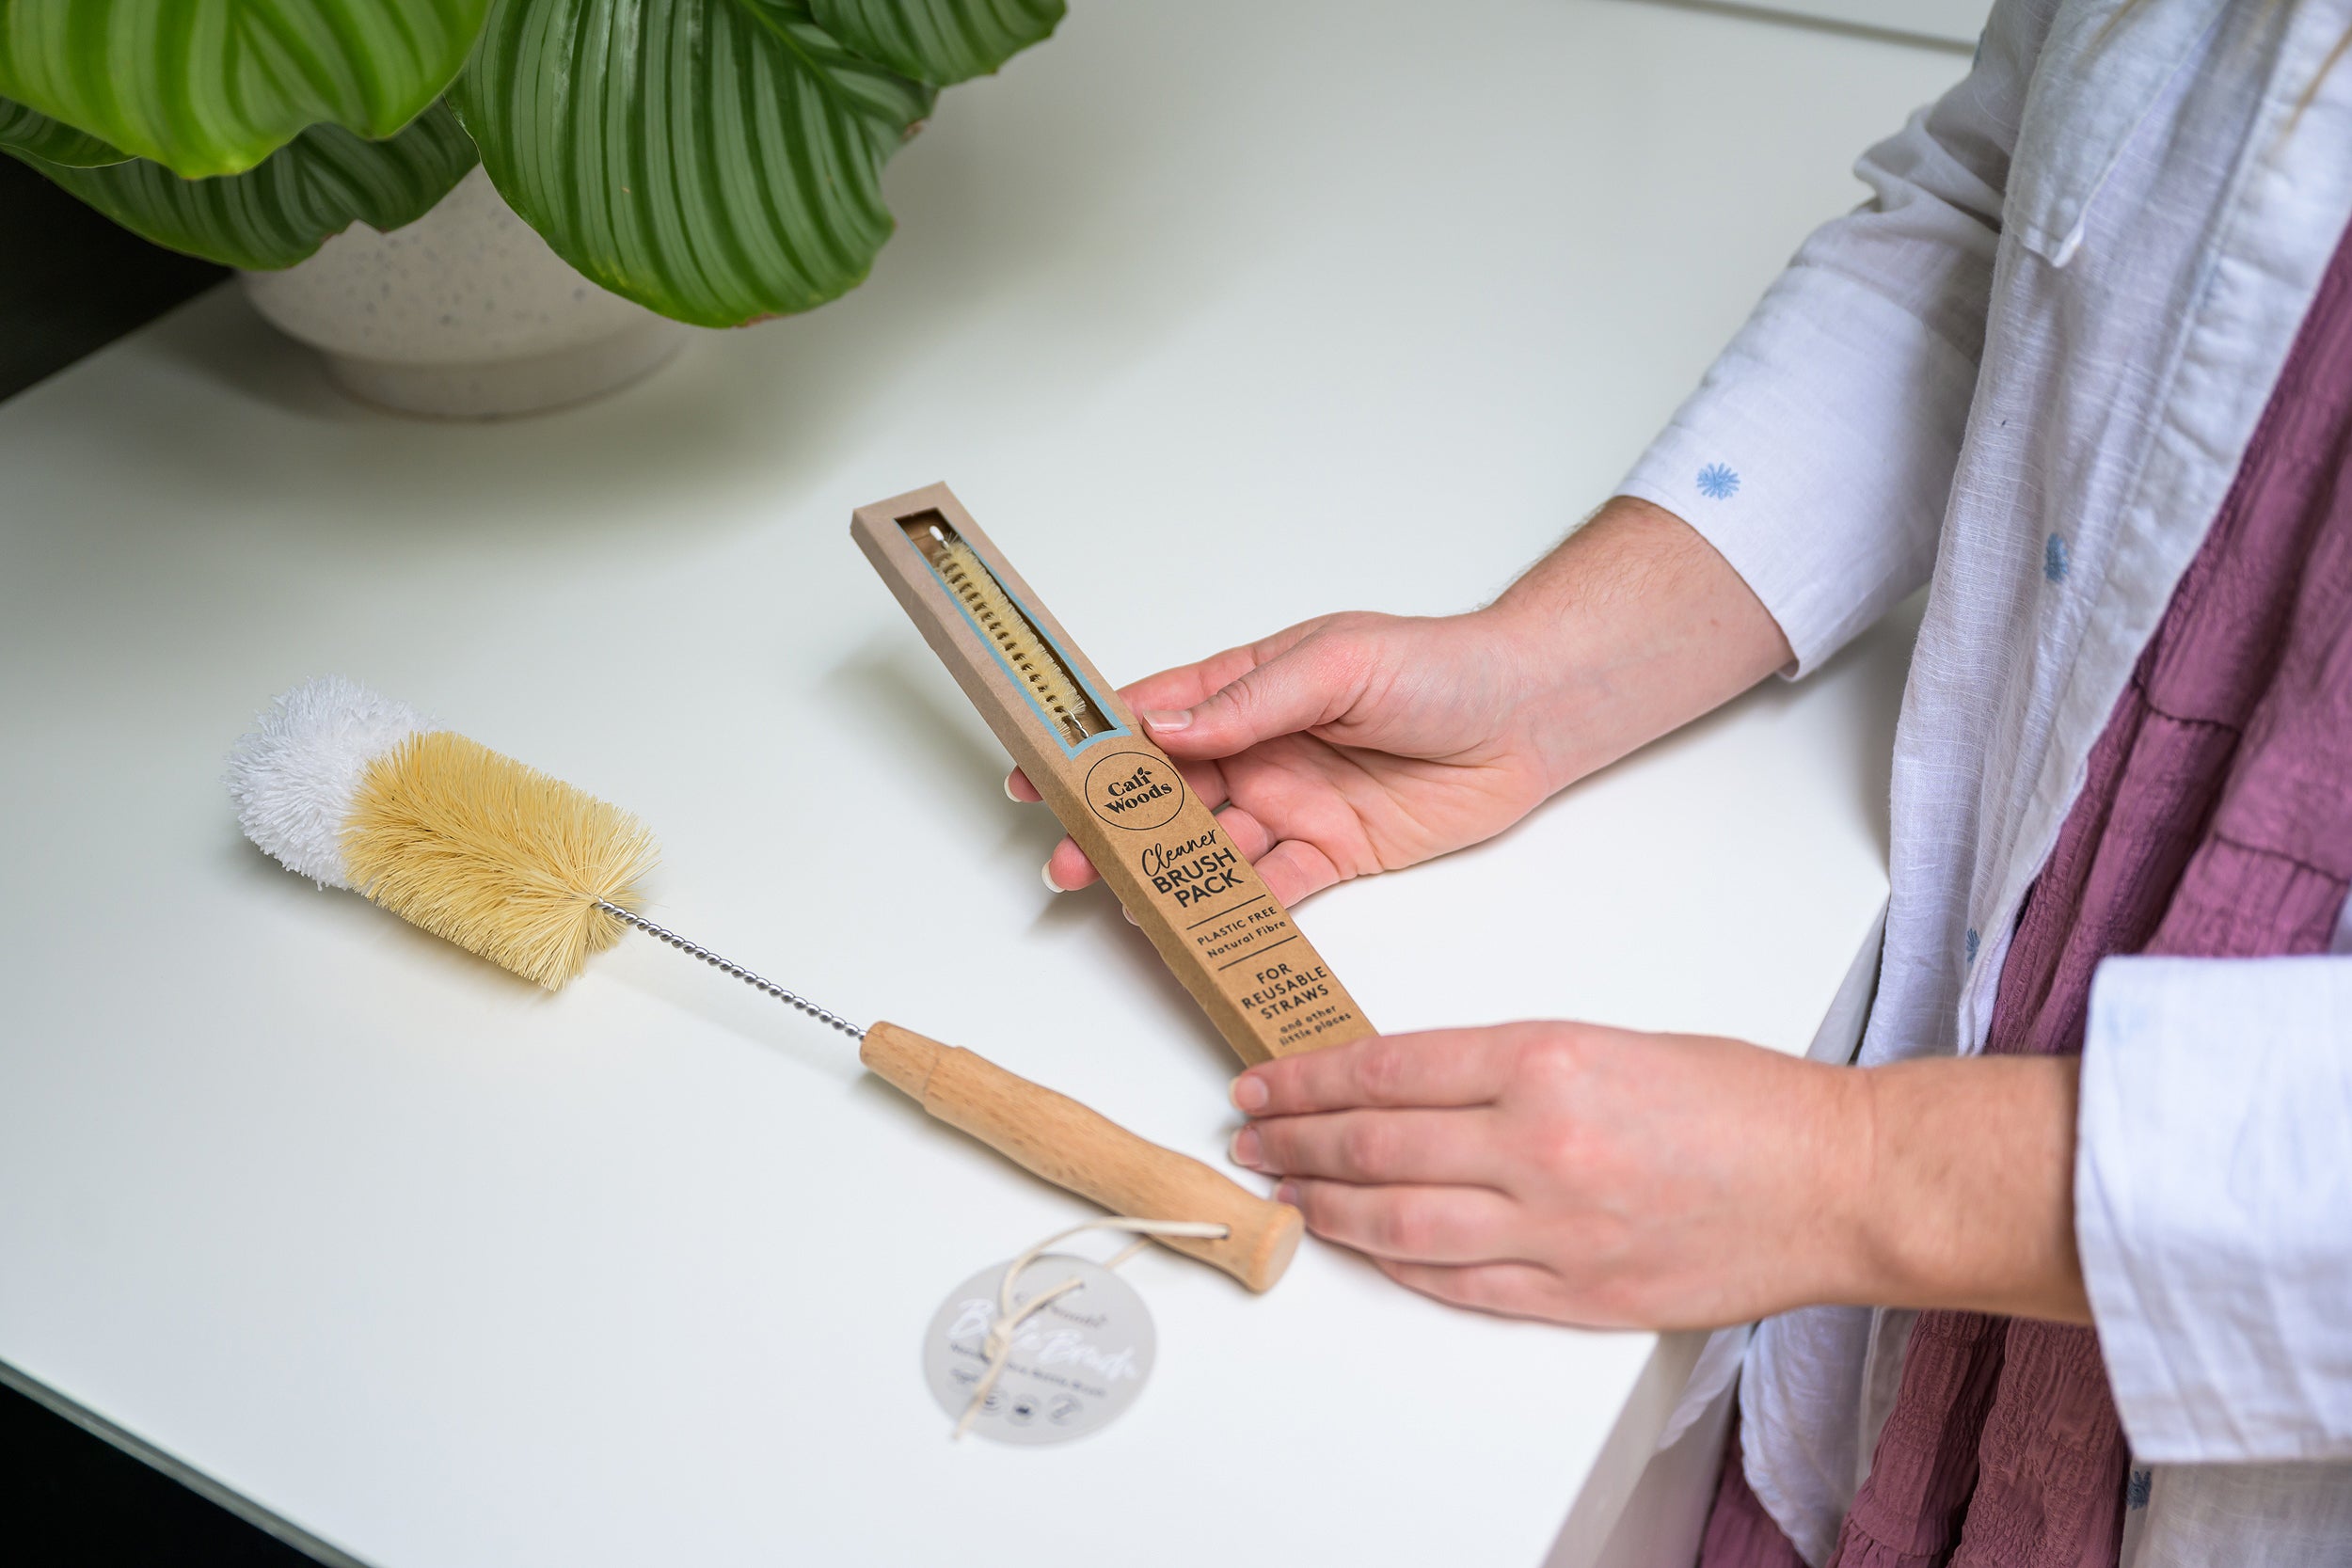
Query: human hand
{"x":1358,"y":743}
{"x":1609,"y":1178}
{"x":1344,"y":745}
{"x":1568,"y":1172}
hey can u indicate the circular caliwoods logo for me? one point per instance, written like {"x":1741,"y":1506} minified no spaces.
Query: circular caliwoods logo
{"x":1136,"y":790}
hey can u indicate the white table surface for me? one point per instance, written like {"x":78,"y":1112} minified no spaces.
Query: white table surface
{"x":1954,"y":23}
{"x":1275,"y":309}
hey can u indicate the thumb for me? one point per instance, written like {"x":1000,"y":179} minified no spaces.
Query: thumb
{"x":1313,"y":683}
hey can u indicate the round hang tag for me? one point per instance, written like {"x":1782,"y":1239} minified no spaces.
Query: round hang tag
{"x":1075,"y":1363}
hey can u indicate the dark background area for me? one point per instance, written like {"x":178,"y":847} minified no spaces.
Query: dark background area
{"x":71,"y":1499}
{"x":72,"y":282}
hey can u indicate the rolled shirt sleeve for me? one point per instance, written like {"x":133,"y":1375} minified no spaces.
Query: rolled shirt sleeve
{"x":2212,"y":1204}
{"x":1816,"y":454}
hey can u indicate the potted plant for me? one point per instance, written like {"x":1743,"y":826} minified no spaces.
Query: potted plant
{"x":707,"y":161}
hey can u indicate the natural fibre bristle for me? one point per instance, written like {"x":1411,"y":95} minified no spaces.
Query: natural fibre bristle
{"x":493,"y":855}
{"x":1001,"y":620}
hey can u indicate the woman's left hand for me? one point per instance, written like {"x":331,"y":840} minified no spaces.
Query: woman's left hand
{"x":1609,"y":1179}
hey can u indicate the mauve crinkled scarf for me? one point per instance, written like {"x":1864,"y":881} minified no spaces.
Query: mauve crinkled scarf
{"x":2215,"y":820}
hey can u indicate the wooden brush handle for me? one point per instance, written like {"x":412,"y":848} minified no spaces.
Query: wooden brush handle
{"x":1062,"y":1141}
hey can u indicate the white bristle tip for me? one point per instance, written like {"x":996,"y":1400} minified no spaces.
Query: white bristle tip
{"x":294,"y":775}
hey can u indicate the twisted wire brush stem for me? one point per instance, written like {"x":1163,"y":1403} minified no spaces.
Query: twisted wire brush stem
{"x":695,"y":950}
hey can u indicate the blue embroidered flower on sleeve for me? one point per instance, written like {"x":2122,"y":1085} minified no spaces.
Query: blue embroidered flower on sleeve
{"x":1718,"y":482}
{"x":1971,"y":942}
{"x":2143,"y":1482}
{"x":2054,"y":557}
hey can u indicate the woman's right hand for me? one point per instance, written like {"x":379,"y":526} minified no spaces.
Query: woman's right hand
{"x":1362,"y":742}
{"x":1346,"y":745}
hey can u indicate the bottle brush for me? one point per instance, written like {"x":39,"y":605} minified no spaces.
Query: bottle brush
{"x":356,"y":791}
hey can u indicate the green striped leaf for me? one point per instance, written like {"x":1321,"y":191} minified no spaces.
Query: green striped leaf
{"x":276,"y":214}
{"x":718,"y":161}
{"x":51,"y":141}
{"x":939,"y":41}
{"x":214,"y":87}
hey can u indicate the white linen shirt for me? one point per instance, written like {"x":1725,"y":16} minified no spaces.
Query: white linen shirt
{"x":2025,"y":371}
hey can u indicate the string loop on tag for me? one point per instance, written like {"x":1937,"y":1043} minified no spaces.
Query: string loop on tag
{"x":998,"y":1346}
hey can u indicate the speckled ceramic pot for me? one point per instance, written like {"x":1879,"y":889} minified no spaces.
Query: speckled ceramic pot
{"x":464,"y":313}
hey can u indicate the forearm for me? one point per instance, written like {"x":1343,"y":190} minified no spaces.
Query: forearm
{"x":1954,"y":1182}
{"x":1969,"y":1198}
{"x":1633,"y":627}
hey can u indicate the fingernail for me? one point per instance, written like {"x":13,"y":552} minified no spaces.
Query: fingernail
{"x":1245,"y":1149}
{"x":1287,"y":1193}
{"x":1008,"y":794}
{"x":1178,"y":719}
{"x":1129,"y":915}
{"x":1046,"y":872}
{"x":1250,"y":1094}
